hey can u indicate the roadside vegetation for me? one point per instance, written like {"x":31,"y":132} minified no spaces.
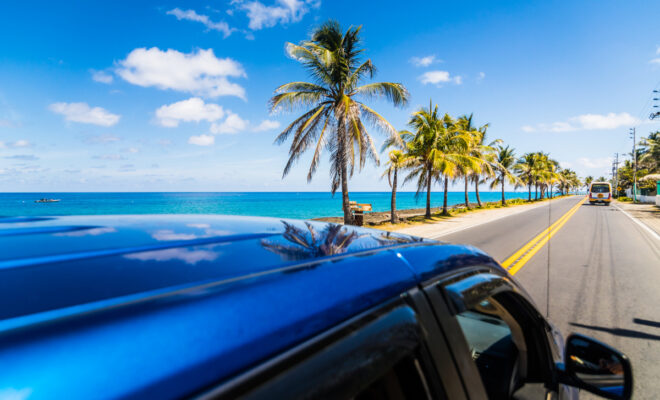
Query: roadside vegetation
{"x":648,"y":166}
{"x":437,"y":150}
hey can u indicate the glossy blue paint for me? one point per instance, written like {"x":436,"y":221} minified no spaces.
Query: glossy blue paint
{"x":163,"y":306}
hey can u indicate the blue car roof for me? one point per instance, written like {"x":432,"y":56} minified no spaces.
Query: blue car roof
{"x":123,"y":306}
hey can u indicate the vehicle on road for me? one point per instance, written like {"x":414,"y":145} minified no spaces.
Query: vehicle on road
{"x":226,"y":307}
{"x":600,"y":192}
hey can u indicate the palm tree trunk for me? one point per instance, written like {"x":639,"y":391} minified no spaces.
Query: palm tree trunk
{"x":503,"y":198}
{"x":348,"y":215}
{"x":536,"y":191}
{"x":428,"y":195}
{"x":529,"y":191}
{"x":467,"y":200}
{"x":476,"y":190}
{"x":394,"y":218}
{"x":444,"y":202}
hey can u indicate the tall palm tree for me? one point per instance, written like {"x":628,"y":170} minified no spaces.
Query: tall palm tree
{"x":484,"y":152}
{"x":588,"y":180}
{"x":438,"y":151}
{"x":526,"y":167}
{"x":554,"y":168}
{"x":505,"y":162}
{"x":651,"y":152}
{"x":334,"y":115}
{"x":398,"y":159}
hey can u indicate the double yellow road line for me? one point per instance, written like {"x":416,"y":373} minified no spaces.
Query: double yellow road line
{"x":520,"y":257}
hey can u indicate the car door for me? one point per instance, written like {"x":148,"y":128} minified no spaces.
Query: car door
{"x":499,"y":340}
{"x":388,"y":352}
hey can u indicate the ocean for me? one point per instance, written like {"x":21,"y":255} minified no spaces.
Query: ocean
{"x":301,"y":205}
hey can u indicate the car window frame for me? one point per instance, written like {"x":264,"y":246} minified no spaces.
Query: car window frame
{"x":436,"y":372}
{"x":445,"y":311}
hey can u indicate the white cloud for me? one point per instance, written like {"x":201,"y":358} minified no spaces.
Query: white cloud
{"x":20,"y":143}
{"x":23,"y":157}
{"x":132,"y":150}
{"x":586,"y":122}
{"x":594,"y":162}
{"x":267,"y":125}
{"x":191,"y":110}
{"x":202,"y":140}
{"x":438,"y":77}
{"x":101,"y":76}
{"x":83,"y":113}
{"x":199,"y":72}
{"x":423,"y":61}
{"x":191,"y":15}
{"x":101,"y":139}
{"x":113,"y":157}
{"x":285,"y":11}
{"x":15,"y":145}
{"x":232,"y":124}
{"x":481,"y":76}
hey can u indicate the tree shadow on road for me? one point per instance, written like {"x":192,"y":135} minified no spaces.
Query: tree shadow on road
{"x":619,"y":331}
{"x":646,"y":322}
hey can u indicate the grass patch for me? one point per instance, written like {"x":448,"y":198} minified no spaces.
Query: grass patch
{"x":624,"y":199}
{"x":453,"y":212}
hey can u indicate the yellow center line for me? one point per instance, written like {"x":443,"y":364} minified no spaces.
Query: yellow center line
{"x":525,"y":253}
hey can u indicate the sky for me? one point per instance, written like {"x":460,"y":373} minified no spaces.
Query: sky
{"x":173,"y":95}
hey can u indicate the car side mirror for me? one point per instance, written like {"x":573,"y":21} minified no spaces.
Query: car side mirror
{"x":597,"y":368}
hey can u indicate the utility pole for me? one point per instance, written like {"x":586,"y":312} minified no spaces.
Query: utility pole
{"x":615,"y":168}
{"x":634,"y":138}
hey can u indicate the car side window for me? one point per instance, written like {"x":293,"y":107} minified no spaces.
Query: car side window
{"x":496,"y":345}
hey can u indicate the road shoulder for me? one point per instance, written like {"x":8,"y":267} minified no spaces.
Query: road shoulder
{"x":460,"y":222}
{"x":647,"y":214}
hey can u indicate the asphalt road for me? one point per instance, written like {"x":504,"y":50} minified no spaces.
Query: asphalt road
{"x":604,"y":277}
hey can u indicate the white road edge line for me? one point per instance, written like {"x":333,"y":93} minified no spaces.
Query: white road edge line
{"x":640,"y":223}
{"x":485,"y":222}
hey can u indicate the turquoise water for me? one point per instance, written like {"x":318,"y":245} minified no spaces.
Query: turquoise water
{"x":303,"y":205}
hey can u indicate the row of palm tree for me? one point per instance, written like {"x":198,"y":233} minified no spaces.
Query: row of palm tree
{"x":438,"y":149}
{"x":444,"y":149}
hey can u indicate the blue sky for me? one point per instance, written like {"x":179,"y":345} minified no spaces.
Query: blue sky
{"x":172,"y":95}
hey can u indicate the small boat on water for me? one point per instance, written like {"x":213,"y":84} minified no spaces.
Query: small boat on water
{"x":44,"y":200}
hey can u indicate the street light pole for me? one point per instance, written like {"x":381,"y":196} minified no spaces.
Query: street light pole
{"x":634,"y":138}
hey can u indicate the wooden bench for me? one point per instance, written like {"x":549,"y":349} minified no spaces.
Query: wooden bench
{"x":358,"y":210}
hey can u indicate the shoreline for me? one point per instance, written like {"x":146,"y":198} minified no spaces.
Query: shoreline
{"x":415,"y":216}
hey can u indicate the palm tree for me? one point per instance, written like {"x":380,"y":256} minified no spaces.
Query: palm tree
{"x":334,"y":116}
{"x":526,"y":168}
{"x":504,"y":164}
{"x":568,"y":180}
{"x":438,"y":151}
{"x":588,"y":180}
{"x":397,"y":159}
{"x":476,"y":149}
{"x":650,"y":157}
{"x":554,"y":168}
{"x":486,"y":153}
